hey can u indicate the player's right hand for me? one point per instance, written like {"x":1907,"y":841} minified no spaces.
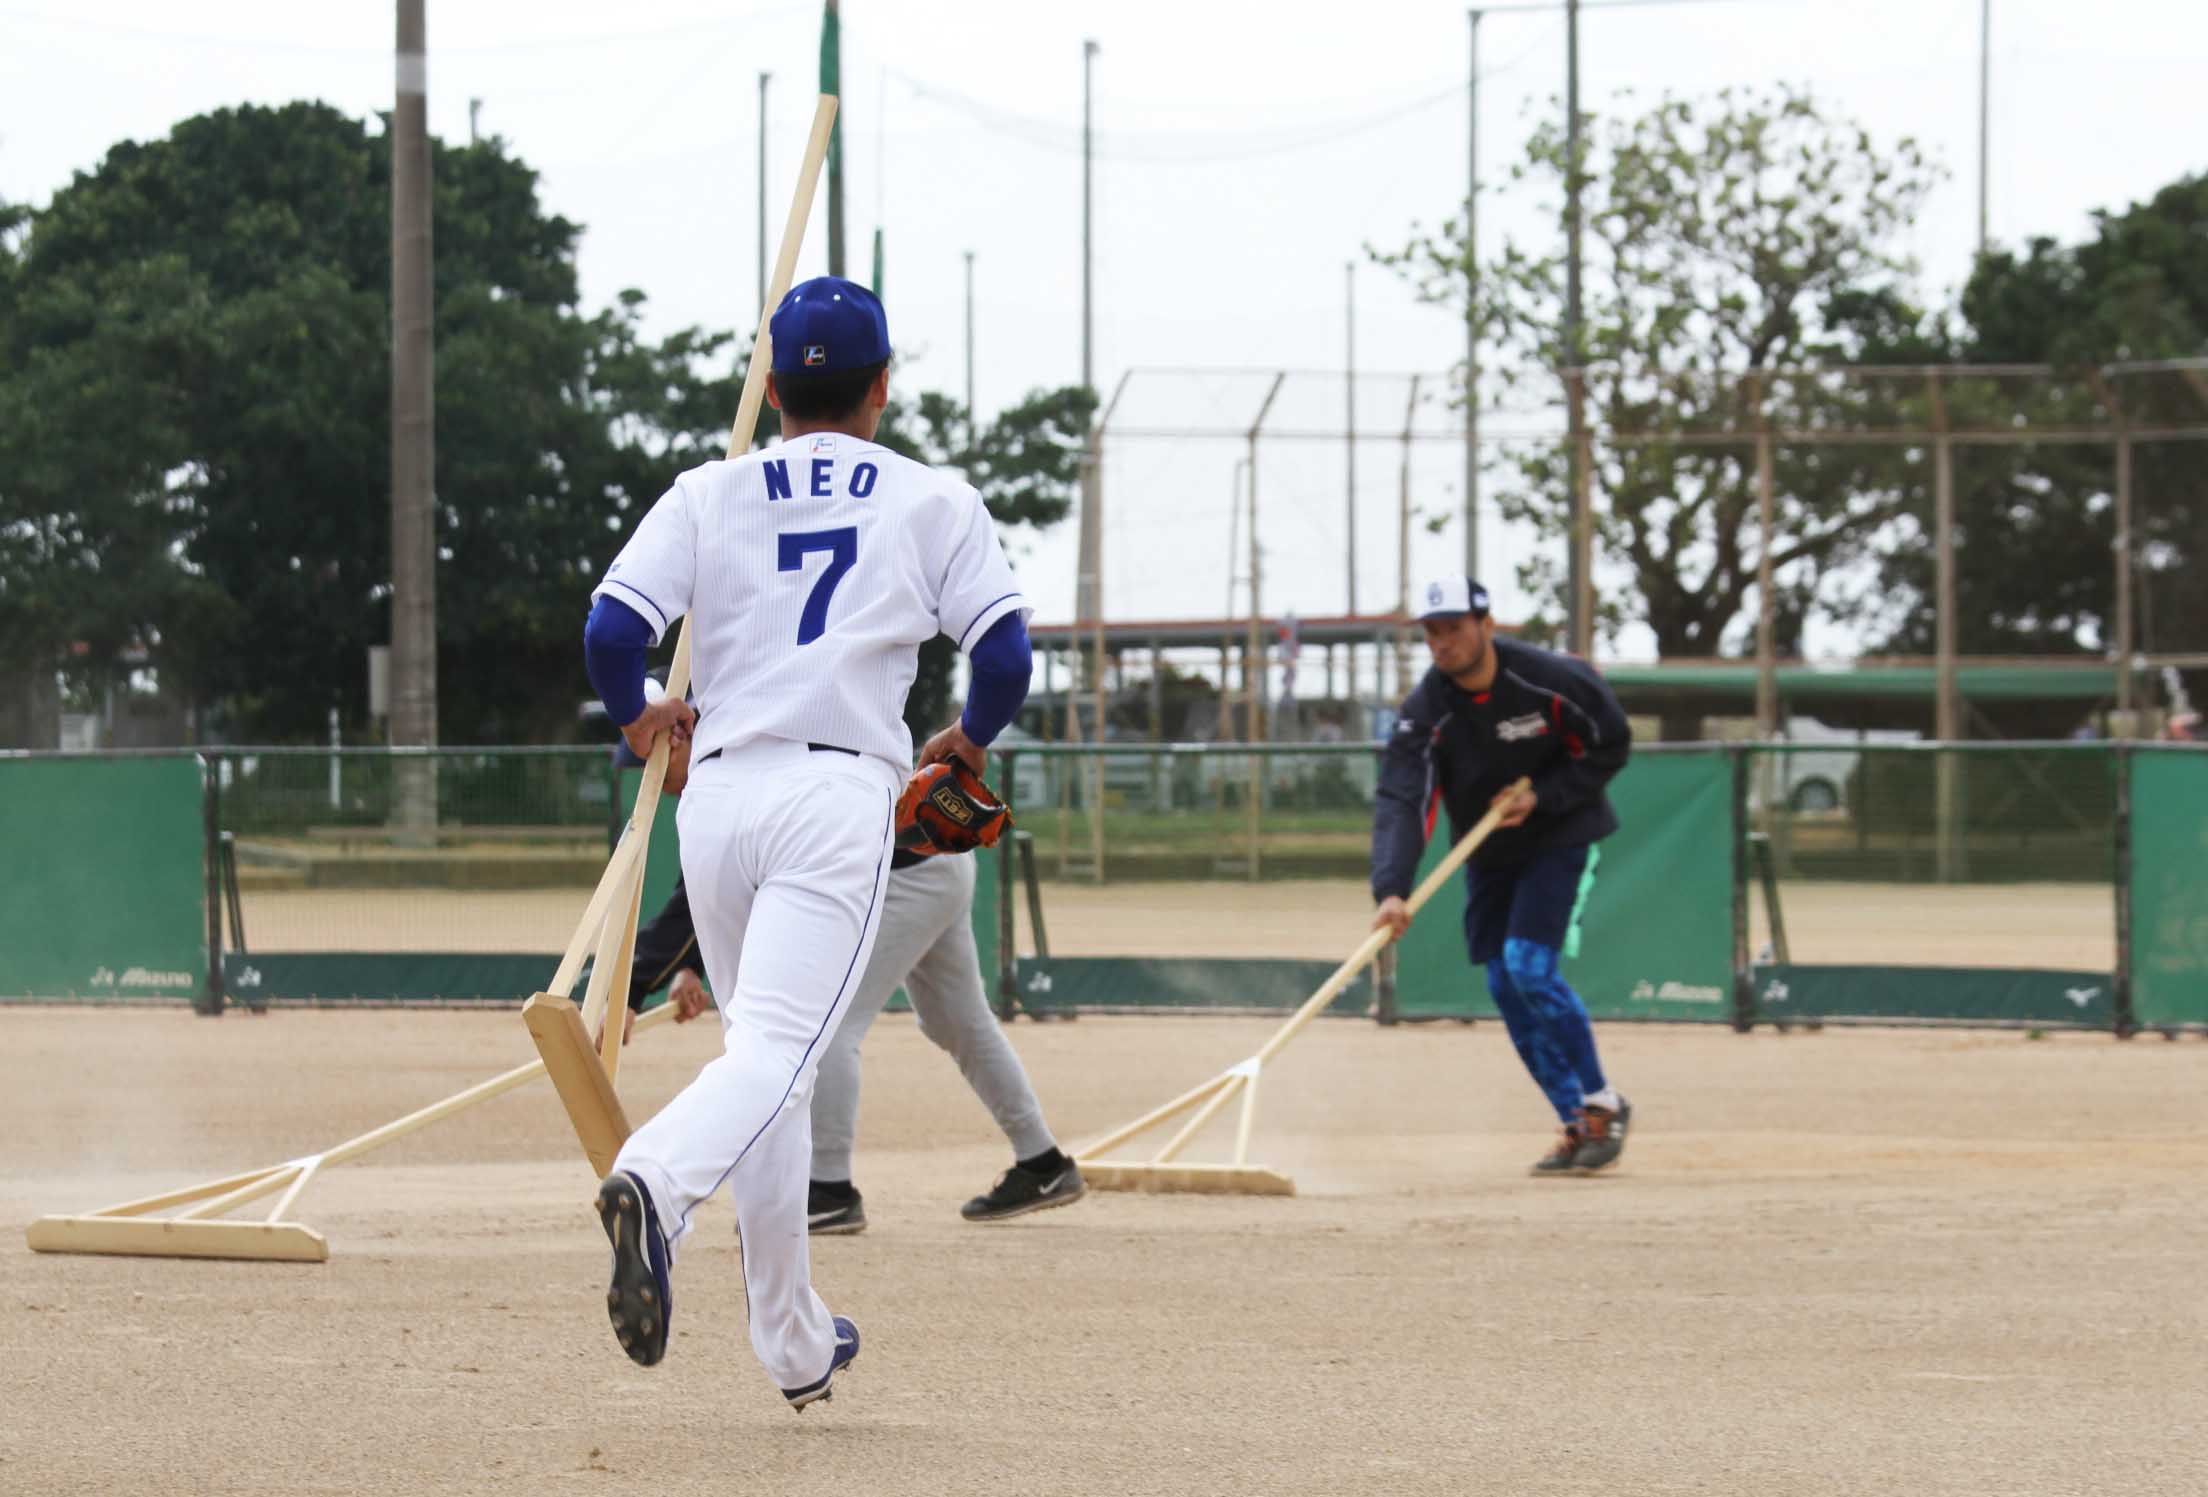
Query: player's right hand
{"x":656,"y":720}
{"x":1393,"y":914}
{"x":689,"y":996}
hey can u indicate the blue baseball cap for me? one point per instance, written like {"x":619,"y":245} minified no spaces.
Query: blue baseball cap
{"x":1449,"y":597}
{"x":829,"y":325}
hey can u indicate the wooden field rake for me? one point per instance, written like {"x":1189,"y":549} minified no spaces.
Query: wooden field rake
{"x":581,"y":1072}
{"x":1163,"y":1171}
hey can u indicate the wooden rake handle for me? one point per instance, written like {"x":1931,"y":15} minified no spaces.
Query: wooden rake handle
{"x":1371,"y":947}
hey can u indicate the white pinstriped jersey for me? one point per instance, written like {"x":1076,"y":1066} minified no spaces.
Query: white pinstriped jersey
{"x":815,"y":569}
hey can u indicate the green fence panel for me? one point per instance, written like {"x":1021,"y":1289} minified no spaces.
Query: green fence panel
{"x":1657,"y":937}
{"x":318,"y":977}
{"x":2169,"y":887}
{"x":109,"y":894}
{"x":1902,"y":995}
{"x":1059,"y":984}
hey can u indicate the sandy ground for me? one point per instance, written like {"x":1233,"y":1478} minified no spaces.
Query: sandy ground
{"x":1857,"y":1262}
{"x":2061,"y":926}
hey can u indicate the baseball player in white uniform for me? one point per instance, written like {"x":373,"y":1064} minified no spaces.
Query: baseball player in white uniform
{"x":813,"y":570}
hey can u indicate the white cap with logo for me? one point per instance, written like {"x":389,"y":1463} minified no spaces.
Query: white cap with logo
{"x":1448,"y":597}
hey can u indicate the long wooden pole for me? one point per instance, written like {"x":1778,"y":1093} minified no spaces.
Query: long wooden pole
{"x":1215,"y":1093}
{"x":739,"y":441}
{"x":1347,"y":972}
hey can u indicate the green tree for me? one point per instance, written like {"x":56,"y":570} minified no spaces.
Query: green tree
{"x":2037,"y":522}
{"x":194,"y":428}
{"x":194,"y":425}
{"x":1726,"y":242}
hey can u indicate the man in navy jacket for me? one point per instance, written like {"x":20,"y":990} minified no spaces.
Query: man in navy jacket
{"x":1490,"y":712}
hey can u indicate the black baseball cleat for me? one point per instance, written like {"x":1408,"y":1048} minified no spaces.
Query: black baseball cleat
{"x":834,"y":1213}
{"x":639,"y":1301}
{"x":846,"y":1352}
{"x":1558,"y":1161}
{"x":1603,"y":1139}
{"x":1020,"y":1190}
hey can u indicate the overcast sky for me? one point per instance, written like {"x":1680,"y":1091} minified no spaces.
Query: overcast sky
{"x":1247,"y":153}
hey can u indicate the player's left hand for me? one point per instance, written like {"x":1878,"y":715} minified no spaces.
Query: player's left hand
{"x":1517,"y":804}
{"x":689,"y":996}
{"x":952,"y":743}
{"x":628,"y":1028}
{"x":657,"y":719}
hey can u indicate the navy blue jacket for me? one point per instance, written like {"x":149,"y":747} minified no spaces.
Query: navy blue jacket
{"x":1547,"y":717}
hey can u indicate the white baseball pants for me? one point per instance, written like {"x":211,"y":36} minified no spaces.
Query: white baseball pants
{"x":785,"y":851}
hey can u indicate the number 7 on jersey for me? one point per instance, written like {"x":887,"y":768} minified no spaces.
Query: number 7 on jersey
{"x":842,"y":546}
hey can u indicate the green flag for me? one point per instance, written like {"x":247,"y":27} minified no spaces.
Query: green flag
{"x":831,"y":82}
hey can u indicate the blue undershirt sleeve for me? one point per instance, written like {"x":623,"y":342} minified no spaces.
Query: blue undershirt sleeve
{"x":1002,"y":665}
{"x":614,"y":644}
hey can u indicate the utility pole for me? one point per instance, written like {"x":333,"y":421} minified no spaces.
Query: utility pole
{"x":973,"y":420}
{"x":1985,"y":95}
{"x":413,"y":433}
{"x":764,"y":309}
{"x":1349,"y":523}
{"x":1087,"y":601}
{"x":1089,"y":50}
{"x":475,"y":110}
{"x":831,"y":82}
{"x":1579,"y":630}
{"x":1472,"y":312}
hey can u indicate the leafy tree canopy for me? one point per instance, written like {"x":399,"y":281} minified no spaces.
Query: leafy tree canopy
{"x":195,"y":426}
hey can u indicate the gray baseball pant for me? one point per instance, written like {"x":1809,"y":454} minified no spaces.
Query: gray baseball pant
{"x":926,"y":945}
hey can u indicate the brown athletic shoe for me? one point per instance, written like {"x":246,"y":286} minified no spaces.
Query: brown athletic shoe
{"x":1604,"y":1139}
{"x":1558,"y":1161}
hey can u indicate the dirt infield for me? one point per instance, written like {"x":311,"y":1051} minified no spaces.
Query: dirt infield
{"x":1857,"y":1262}
{"x":2060,"y":926}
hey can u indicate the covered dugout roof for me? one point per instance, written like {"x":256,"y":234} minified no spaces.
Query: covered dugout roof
{"x":2091,"y":681}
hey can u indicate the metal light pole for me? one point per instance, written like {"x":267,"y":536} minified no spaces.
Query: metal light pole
{"x":1579,"y":628}
{"x":1471,"y":311}
{"x":973,"y":420}
{"x":1349,"y":427}
{"x":763,"y":307}
{"x":413,"y":432}
{"x":1985,"y":95}
{"x":1089,"y":50}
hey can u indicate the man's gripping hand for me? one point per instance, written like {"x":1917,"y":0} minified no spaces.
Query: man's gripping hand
{"x":689,"y":996}
{"x":947,"y":809}
{"x":660,"y":718}
{"x":1394,"y":914}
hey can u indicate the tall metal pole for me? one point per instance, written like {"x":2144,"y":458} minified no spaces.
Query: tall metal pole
{"x":763,"y":307}
{"x":1403,"y":549}
{"x":1579,"y":627}
{"x":413,"y":433}
{"x":1985,"y":95}
{"x":1349,"y":426}
{"x":973,"y":420}
{"x":1088,"y":584}
{"x":1088,"y":218}
{"x":1471,"y":311}
{"x":2126,"y":643}
{"x":831,"y":82}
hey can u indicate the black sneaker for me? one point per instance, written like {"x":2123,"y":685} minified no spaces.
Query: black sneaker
{"x":640,"y":1300}
{"x":834,"y":1215}
{"x":1020,"y":1190}
{"x":1558,"y":1161}
{"x":1604,"y":1137}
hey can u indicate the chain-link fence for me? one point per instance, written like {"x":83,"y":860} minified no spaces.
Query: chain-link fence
{"x":1932,"y":515}
{"x":320,"y":861}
